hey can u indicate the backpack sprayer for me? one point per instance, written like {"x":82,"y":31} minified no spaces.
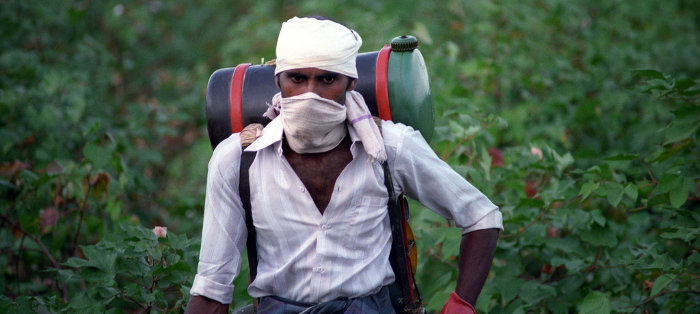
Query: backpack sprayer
{"x":393,"y":81}
{"x":395,"y":85}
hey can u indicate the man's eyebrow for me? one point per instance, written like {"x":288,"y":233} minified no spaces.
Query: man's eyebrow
{"x":296,"y":74}
{"x":329,"y":75}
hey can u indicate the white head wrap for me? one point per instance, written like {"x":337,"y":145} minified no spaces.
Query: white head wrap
{"x":323,"y":44}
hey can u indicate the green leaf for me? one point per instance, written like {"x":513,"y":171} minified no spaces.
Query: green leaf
{"x":666,"y":153}
{"x":114,"y":209}
{"x":587,"y":189}
{"x":656,"y":200}
{"x":101,"y":258}
{"x":450,"y":247}
{"x":563,"y":161}
{"x":571,"y":285}
{"x":532,"y":292}
{"x":678,"y":196}
{"x":622,"y":304}
{"x":631,"y":191}
{"x":422,"y":33}
{"x":456,"y":128}
{"x":531,"y":202}
{"x":599,"y":236}
{"x":661,"y":282}
{"x":572,"y":264}
{"x":683,"y":84}
{"x":25,"y":304}
{"x":678,"y":131}
{"x":669,"y":182}
{"x":694,"y":258}
{"x":99,"y":156}
{"x":607,"y":172}
{"x":649,"y":74}
{"x":177,"y":242}
{"x":598,"y":217}
{"x":565,"y":244}
{"x":7,"y":184}
{"x":683,"y":233}
{"x":77,"y":262}
{"x":613,"y":191}
{"x":509,"y":288}
{"x":155,"y":252}
{"x":440,"y":297}
{"x":474,"y":129}
{"x":485,"y":163}
{"x":621,"y":157}
{"x":6,"y":304}
{"x":184,"y":267}
{"x":443,"y":133}
{"x":80,"y":302}
{"x":680,"y":188}
{"x":595,"y":302}
{"x":579,"y":218}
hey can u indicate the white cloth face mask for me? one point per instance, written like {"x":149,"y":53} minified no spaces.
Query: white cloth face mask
{"x":312,"y":124}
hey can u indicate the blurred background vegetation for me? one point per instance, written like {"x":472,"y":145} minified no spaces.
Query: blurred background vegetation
{"x":578,"y":118}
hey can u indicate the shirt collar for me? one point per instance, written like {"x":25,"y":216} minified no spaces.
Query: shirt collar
{"x":272,"y":134}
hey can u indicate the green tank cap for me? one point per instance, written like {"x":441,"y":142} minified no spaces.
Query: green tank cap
{"x":409,"y":86}
{"x":404,"y":43}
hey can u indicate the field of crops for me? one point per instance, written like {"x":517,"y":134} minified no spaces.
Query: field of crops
{"x":580,"y":119}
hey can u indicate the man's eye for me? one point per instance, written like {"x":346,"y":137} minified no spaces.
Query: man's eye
{"x":296,"y":79}
{"x":328,"y":79}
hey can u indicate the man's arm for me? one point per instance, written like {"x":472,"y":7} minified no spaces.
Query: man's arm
{"x":423,"y":176}
{"x":200,"y":304}
{"x":475,"y":257}
{"x":223,"y":231}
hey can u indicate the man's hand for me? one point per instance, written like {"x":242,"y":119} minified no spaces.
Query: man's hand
{"x":200,"y":304}
{"x":455,"y":305}
{"x":475,"y":257}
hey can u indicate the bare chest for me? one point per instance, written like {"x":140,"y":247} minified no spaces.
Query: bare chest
{"x":319,"y":172}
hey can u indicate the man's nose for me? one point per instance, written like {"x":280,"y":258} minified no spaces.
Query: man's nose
{"x":312,"y":86}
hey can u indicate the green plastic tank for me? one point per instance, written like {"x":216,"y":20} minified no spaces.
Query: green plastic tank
{"x":409,"y":86}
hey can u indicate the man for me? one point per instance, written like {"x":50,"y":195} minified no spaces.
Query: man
{"x":319,"y":203}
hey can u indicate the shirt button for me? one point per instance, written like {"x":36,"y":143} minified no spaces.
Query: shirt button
{"x":325,"y":227}
{"x":321,"y":270}
{"x":302,"y":189}
{"x":337,"y":188}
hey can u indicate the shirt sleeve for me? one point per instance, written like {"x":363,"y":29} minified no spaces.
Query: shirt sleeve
{"x":423,"y":176}
{"x":223,"y":231}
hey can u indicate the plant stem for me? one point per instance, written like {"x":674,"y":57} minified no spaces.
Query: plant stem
{"x":595,"y":263}
{"x":33,"y":237}
{"x":80,"y":216}
{"x":653,"y":181}
{"x":45,"y":251}
{"x":449,"y":153}
{"x":19,"y":261}
{"x":662,"y":292}
{"x":542,"y":214}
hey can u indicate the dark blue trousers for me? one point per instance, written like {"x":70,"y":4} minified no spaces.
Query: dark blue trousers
{"x":378,"y":303}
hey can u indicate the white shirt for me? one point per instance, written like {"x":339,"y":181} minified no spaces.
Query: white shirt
{"x":312,"y":257}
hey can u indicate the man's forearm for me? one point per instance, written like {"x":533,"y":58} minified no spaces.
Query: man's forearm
{"x":200,"y":304}
{"x":475,"y":258}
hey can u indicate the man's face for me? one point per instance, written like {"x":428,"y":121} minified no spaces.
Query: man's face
{"x":327,"y":84}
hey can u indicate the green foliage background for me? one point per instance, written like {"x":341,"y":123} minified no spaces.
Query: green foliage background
{"x":578,"y":118}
